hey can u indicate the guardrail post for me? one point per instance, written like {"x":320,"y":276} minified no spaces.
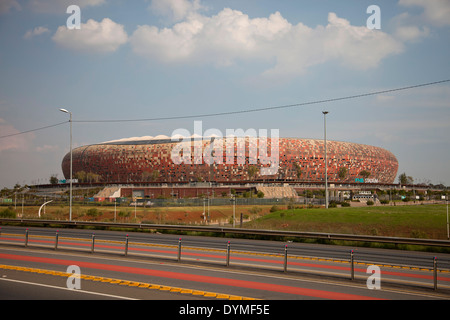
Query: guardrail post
{"x":126,"y":245}
{"x":93,"y":243}
{"x":352,"y":266}
{"x":228,"y":253}
{"x":435,"y":272}
{"x":56,"y":240}
{"x":285,"y":258}
{"x":26,"y":237}
{"x":179,"y":249}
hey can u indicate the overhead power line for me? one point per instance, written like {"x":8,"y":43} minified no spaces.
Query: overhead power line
{"x":33,"y":130}
{"x":269,"y":108}
{"x":240,"y":111}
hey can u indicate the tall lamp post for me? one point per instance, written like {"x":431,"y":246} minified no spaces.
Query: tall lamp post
{"x":233,"y":199}
{"x":325,"y":157}
{"x":448,"y":228}
{"x":70,"y":199}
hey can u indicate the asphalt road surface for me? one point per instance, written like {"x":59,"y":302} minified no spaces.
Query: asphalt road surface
{"x":114,"y":276}
{"x":149,"y":272}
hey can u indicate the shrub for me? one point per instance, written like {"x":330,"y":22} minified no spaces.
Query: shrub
{"x":124,"y":214}
{"x":370,"y":203}
{"x":93,"y":212}
{"x":332,"y":204}
{"x":274,"y":208}
{"x":345,"y":204}
{"x":419,"y":234}
{"x":8,"y":213}
{"x":255,"y":210}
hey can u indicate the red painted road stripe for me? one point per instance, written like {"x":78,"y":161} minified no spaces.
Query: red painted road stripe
{"x":292,"y":263}
{"x":196,"y":278}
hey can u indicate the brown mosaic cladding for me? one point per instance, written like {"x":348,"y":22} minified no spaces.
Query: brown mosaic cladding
{"x":151,"y":161}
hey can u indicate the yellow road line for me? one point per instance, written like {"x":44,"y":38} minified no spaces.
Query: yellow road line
{"x":130,"y":283}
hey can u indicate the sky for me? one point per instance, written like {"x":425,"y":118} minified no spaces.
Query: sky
{"x":147,"y":59}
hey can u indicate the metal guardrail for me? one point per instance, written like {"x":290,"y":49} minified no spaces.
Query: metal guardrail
{"x":223,"y":230}
{"x":92,"y":239}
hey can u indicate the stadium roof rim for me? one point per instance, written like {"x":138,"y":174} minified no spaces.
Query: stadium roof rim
{"x":160,"y":139}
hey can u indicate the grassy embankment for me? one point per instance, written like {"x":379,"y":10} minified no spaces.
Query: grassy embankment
{"x":411,"y":221}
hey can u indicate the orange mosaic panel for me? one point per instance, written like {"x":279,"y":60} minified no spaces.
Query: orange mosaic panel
{"x":152,"y":161}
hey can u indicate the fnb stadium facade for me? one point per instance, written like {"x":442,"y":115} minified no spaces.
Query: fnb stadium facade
{"x":162,"y":160}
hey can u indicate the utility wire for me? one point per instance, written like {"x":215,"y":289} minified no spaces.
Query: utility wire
{"x":240,"y":111}
{"x":32,"y":130}
{"x":269,"y":108}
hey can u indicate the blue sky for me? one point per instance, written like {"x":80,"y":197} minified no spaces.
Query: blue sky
{"x":145,"y":59}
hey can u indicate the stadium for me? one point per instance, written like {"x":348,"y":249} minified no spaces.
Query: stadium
{"x":150,"y":160}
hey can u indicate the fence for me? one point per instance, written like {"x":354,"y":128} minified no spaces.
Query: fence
{"x":281,"y":258}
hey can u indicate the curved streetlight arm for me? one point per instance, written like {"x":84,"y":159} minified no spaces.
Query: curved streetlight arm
{"x":39,"y":213}
{"x":70,"y":121}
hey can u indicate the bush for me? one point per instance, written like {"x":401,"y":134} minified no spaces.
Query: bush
{"x":124,"y":214}
{"x":8,"y":213}
{"x":345,"y":204}
{"x":274,"y":208}
{"x":255,"y":210}
{"x":418,"y":234}
{"x":332,"y":204}
{"x":93,"y":212}
{"x":370,"y":203}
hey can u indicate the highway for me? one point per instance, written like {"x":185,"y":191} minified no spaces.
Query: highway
{"x":154,"y":268}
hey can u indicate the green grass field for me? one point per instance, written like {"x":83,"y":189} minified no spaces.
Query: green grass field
{"x":412,"y":221}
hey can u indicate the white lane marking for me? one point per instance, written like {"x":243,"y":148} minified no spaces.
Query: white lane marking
{"x":62,"y":288}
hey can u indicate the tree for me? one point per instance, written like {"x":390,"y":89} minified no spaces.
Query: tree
{"x":81,"y":176}
{"x":298,"y":169}
{"x":54,"y":179}
{"x":404,"y":179}
{"x":155,"y":175}
{"x":342,"y":173}
{"x":365,"y":174}
{"x":92,"y":177}
{"x":252,"y":171}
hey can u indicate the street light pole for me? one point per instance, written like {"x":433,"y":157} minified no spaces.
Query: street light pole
{"x":448,"y":229}
{"x":325,"y":157}
{"x":70,"y":200}
{"x":233,"y":199}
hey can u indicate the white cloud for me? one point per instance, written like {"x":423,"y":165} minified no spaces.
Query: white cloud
{"x":15,"y":142}
{"x":231,"y":36}
{"x":176,"y":10}
{"x":98,"y":37}
{"x":6,"y":5}
{"x":436,"y":12}
{"x":411,"y":33}
{"x":408,"y":28}
{"x":47,"y":148}
{"x":36,"y":32}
